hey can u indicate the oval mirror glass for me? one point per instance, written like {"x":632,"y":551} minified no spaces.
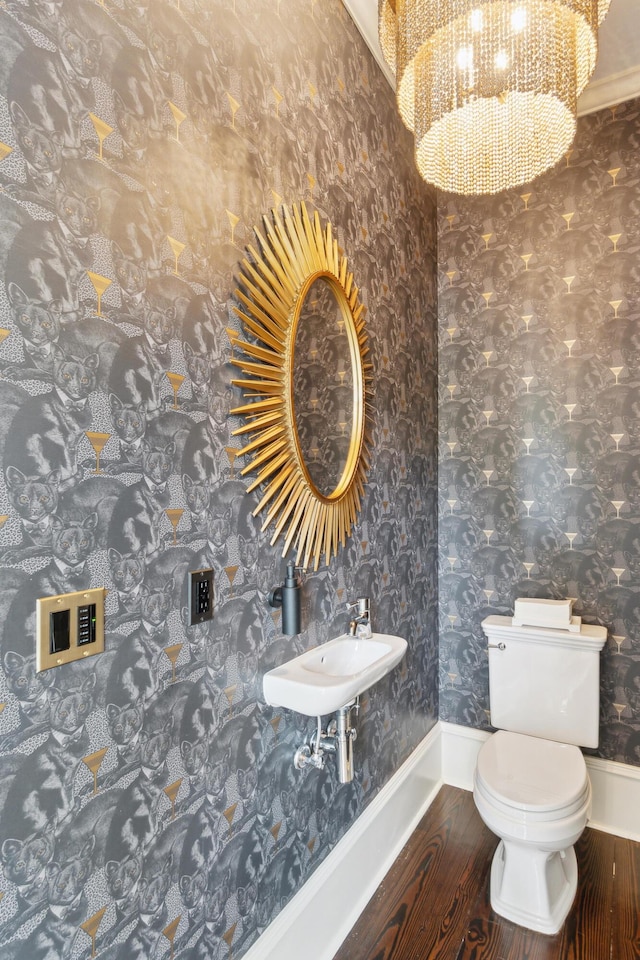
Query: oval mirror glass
{"x":323,"y":387}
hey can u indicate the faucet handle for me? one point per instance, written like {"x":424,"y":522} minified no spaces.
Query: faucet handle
{"x":362,"y":604}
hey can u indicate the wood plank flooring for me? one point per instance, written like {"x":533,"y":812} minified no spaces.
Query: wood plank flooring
{"x":434,"y":902}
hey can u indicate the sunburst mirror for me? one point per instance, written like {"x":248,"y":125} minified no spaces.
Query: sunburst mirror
{"x":307,"y":384}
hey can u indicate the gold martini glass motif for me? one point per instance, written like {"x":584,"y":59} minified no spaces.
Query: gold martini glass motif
{"x":228,"y":937}
{"x":174,"y":516}
{"x":4,"y":334}
{"x":91,"y":925}
{"x":231,"y":575}
{"x":232,"y":453}
{"x":234,"y":106}
{"x":5,"y":150}
{"x":98,"y":441}
{"x":178,"y":116}
{"x":173,"y":653}
{"x":176,"y":380}
{"x":233,"y":223}
{"x":230,"y":693}
{"x":170,"y":932}
{"x":100,"y":285}
{"x":94,"y":762}
{"x":172,"y":792}
{"x":278,"y":97}
{"x":102,"y":130}
{"x":233,"y":339}
{"x":274,"y":831}
{"x":275,"y":723}
{"x":229,"y":814}
{"x":618,"y":640}
{"x":177,"y":247}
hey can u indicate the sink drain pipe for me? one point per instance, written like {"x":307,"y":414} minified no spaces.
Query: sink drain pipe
{"x":337,"y":739}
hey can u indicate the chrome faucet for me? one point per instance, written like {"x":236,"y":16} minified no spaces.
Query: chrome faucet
{"x":362,"y":616}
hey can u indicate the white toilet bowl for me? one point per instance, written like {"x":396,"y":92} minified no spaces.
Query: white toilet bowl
{"x":535,"y":795}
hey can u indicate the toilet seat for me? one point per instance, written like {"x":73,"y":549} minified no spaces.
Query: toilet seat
{"x":542,"y":779}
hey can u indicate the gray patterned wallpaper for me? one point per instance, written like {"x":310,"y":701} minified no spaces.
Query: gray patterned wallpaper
{"x":539,"y":416}
{"x":148,"y":802}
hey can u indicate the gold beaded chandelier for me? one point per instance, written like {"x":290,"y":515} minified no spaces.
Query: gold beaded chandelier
{"x":489,"y":87}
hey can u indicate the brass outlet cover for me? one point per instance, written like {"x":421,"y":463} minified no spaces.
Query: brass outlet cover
{"x":45,"y":606}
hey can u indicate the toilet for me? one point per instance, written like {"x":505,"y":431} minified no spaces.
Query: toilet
{"x":531,"y":785}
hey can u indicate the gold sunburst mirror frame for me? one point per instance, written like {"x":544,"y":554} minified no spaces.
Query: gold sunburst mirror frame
{"x":295,"y":251}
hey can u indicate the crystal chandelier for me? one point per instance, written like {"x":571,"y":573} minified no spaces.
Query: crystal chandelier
{"x":489,"y":87}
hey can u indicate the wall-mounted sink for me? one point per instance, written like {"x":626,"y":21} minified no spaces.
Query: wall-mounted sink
{"x":326,"y":678}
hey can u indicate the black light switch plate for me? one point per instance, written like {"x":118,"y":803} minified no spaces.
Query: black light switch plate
{"x":200,"y":596}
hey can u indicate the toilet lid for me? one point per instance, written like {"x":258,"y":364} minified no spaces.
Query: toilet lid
{"x":531,"y":773}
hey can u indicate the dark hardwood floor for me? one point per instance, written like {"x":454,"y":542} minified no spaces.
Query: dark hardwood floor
{"x":434,"y":902}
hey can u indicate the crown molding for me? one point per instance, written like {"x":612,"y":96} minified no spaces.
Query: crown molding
{"x":609,"y":91}
{"x":363,"y":13}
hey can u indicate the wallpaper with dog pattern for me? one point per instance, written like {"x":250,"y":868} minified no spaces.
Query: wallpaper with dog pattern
{"x":149,"y":806}
{"x":539,"y":415}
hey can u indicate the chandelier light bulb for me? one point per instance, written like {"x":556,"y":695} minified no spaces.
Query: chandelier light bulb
{"x":464,"y":58}
{"x":518,"y":19}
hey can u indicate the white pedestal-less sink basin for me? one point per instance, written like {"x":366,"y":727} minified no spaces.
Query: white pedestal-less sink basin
{"x":326,"y":678}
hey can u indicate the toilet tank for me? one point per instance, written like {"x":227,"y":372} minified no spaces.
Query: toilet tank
{"x":545,"y":682}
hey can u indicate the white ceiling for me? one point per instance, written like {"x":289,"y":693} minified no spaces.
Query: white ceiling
{"x":617,"y":74}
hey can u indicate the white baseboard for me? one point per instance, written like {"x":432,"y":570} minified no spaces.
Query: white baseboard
{"x":460,"y":748}
{"x":616,"y":786}
{"x":616,"y":797}
{"x":318,"y":918}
